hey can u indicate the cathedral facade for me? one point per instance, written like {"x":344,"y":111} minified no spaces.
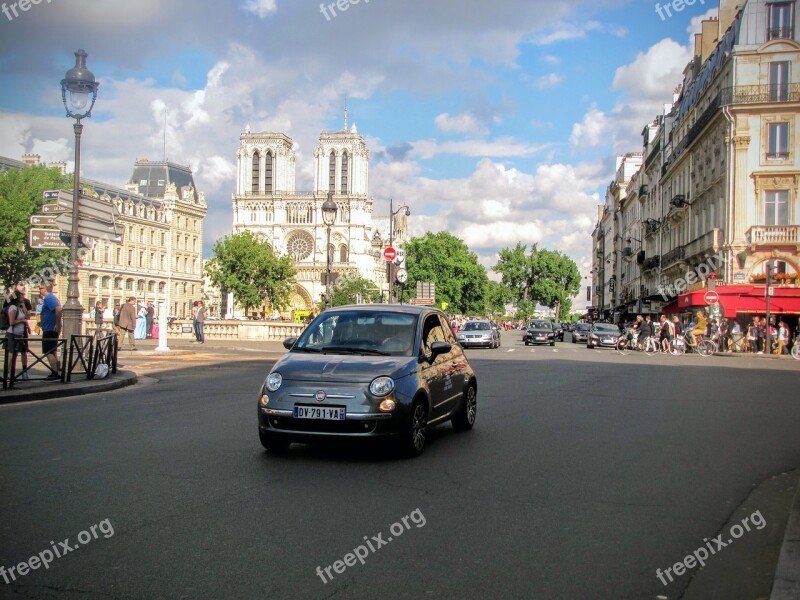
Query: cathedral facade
{"x":267,"y":204}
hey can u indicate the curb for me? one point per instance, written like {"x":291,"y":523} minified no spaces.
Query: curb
{"x":786,"y":585}
{"x":76,"y":388}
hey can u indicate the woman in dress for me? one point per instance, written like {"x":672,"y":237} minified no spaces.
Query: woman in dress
{"x":140,"y":332}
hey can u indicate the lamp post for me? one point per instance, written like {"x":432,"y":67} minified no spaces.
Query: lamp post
{"x":82,"y":87}
{"x":389,"y":266}
{"x":329,"y":209}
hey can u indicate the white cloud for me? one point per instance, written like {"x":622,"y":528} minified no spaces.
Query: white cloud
{"x":261,"y":8}
{"x":501,"y":147}
{"x":590,"y":131}
{"x":655,"y":73}
{"x":547,"y":81}
{"x":462,"y":123}
{"x":563,"y":31}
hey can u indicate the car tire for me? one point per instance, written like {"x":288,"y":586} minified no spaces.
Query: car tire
{"x":464,"y":418}
{"x":273,"y":443}
{"x":553,"y":343}
{"x":412,"y":440}
{"x":590,"y":347}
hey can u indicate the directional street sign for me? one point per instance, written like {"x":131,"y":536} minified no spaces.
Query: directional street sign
{"x":400,"y":256}
{"x":90,"y":228}
{"x":49,"y":220}
{"x":51,"y":239}
{"x":50,"y":194}
{"x":54,"y":208}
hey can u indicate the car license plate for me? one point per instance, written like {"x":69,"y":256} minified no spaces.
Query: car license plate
{"x":326,"y":413}
{"x":539,"y":338}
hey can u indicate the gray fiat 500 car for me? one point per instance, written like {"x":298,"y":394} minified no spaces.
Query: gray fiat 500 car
{"x":366,"y":371}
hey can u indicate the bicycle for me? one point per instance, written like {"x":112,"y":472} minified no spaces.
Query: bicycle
{"x":628,"y":342}
{"x":704,"y":346}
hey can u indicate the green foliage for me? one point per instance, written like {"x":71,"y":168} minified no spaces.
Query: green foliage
{"x":546,"y":277}
{"x":21,"y":197}
{"x":249,"y":268}
{"x":350,"y":286}
{"x":445,"y":260}
{"x":497,"y":296}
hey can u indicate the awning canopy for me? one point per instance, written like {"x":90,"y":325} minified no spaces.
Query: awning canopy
{"x":744,"y":299}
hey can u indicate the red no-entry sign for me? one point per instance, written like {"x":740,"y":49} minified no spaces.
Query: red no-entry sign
{"x":389,"y":253}
{"x":711,"y":297}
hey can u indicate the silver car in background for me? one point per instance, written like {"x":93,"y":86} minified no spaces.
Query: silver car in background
{"x":479,"y":333}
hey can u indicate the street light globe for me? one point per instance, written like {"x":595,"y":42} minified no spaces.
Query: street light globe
{"x":82,"y":86}
{"x":329,"y":210}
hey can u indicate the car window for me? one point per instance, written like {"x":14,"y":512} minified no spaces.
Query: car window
{"x":432,"y":331}
{"x":389,"y":332}
{"x":449,"y":337}
{"x":540,"y":325}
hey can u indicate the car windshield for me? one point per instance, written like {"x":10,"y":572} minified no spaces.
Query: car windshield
{"x":582,"y":327}
{"x":360,"y":332}
{"x":477,"y":326}
{"x":540,"y":325}
{"x":606,"y":328}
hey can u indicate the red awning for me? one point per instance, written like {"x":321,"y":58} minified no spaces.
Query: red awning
{"x":735,"y":299}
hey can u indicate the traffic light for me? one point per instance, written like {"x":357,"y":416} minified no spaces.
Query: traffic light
{"x":772,"y":269}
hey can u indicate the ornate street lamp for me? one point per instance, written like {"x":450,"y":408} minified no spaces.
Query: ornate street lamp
{"x":329,"y":210}
{"x":390,"y":266}
{"x":82,"y":86}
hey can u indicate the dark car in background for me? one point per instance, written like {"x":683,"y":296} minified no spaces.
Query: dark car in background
{"x":368,"y":371}
{"x":558,"y":331}
{"x":581,"y":332}
{"x":479,"y":333}
{"x":540,"y":332}
{"x":603,"y":335}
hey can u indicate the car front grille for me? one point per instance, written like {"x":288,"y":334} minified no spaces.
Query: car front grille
{"x":320,"y":426}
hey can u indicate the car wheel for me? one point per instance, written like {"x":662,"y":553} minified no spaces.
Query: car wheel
{"x":412,"y":441}
{"x":526,"y":342}
{"x":273,"y":443}
{"x":590,"y":347}
{"x":553,"y":343}
{"x":464,"y":417}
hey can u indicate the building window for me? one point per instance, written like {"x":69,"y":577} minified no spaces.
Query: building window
{"x":779,"y":81}
{"x":143,"y":182}
{"x":778,"y":140}
{"x":130,"y":258}
{"x":299,"y":212}
{"x":256,"y":172}
{"x":268,"y":164}
{"x":163,"y":262}
{"x":300,"y":245}
{"x":343,"y":254}
{"x":776,"y":207}
{"x":141,"y":259}
{"x":781,"y":21}
{"x":141,"y":234}
{"x":332,"y":173}
{"x":345,"y":172}
{"x":163,"y":239}
{"x":160,"y":183}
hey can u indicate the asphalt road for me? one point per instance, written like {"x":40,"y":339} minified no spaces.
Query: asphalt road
{"x":585,"y":473}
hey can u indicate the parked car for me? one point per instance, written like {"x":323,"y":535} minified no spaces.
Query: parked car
{"x":603,"y":335}
{"x":368,"y":371}
{"x":540,"y":332}
{"x":581,"y":332}
{"x":479,"y":333}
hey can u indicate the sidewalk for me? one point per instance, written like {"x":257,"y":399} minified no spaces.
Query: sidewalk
{"x":39,"y":389}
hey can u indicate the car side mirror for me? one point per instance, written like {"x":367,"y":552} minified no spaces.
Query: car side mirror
{"x":289,"y":342}
{"x":438,"y":348}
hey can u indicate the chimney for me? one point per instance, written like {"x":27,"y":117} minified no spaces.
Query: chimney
{"x":728,"y":10}
{"x":709,"y":38}
{"x":31,"y":160}
{"x":60,"y":165}
{"x":698,"y":44}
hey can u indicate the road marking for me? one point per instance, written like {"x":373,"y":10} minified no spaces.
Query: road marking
{"x":510,"y":350}
{"x":554,"y":350}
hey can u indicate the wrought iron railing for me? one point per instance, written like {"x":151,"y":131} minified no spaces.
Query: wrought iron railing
{"x":673,"y":256}
{"x":760,"y":94}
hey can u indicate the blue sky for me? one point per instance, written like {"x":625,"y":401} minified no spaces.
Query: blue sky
{"x":498,"y":122}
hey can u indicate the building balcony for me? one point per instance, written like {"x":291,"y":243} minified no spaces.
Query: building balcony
{"x":780,"y":33}
{"x":709,"y":242}
{"x":774,"y":235}
{"x":673,"y":257}
{"x":762,"y":94}
{"x":651,"y":263}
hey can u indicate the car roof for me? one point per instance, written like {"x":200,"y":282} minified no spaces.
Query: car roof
{"x":399,"y":308}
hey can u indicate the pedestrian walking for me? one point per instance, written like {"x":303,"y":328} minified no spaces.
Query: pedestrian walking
{"x":98,"y":319}
{"x":127,"y":322}
{"x":18,"y":330}
{"x":199,"y":318}
{"x":140,"y":332}
{"x":149,"y":318}
{"x":51,"y":329}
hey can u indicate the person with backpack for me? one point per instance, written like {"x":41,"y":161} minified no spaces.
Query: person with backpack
{"x":18,"y":329}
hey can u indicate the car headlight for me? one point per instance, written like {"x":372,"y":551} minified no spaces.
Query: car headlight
{"x":274,"y":382}
{"x":381,"y":386}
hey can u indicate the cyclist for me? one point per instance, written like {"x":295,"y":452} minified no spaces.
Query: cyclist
{"x":699,"y":329}
{"x":645,"y":331}
{"x":666,"y":332}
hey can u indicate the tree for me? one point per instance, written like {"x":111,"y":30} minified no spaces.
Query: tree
{"x":446,"y":261}
{"x":350,"y":286}
{"x":21,"y":197}
{"x":249,"y":268}
{"x":497,"y":296}
{"x":545,"y":277}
